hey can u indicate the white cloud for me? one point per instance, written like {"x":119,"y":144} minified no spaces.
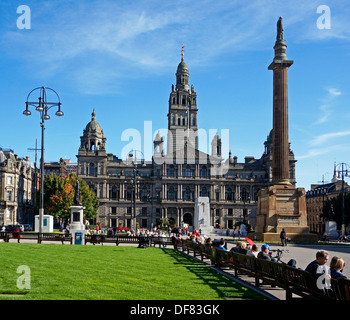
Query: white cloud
{"x":324,"y":150}
{"x":328,"y":105}
{"x":324,"y":138}
{"x":334,"y":92}
{"x":128,"y":38}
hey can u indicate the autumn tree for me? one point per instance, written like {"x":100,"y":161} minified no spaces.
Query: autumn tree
{"x":59,"y":196}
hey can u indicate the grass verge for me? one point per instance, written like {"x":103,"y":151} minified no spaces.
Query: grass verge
{"x":66,"y":272}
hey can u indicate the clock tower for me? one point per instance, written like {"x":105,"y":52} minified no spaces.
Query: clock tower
{"x":182,"y":115}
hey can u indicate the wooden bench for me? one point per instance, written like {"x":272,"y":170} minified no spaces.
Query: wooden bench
{"x":243,"y":264}
{"x":292,"y":280}
{"x":177,"y":243}
{"x":205,"y":250}
{"x":270,"y":273}
{"x":162,"y":241}
{"x":102,"y":238}
{"x":303,"y":283}
{"x":132,"y":239}
{"x":27,"y":236}
{"x":62,"y":237}
{"x":341,"y":288}
{"x":99,"y":238}
{"x":4,"y":236}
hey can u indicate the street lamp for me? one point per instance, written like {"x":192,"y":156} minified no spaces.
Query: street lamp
{"x":43,"y":107}
{"x":343,"y":171}
{"x":245,"y":197}
{"x":134,"y":188}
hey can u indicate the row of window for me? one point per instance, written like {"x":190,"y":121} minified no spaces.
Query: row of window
{"x":187,"y":194}
{"x":172,"y":171}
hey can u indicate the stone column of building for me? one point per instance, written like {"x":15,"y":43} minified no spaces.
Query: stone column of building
{"x":280,"y":149}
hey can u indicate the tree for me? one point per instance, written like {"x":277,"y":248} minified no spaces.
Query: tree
{"x":59,"y":196}
{"x":332,"y":209}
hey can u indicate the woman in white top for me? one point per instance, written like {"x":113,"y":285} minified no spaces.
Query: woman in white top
{"x":253,"y":252}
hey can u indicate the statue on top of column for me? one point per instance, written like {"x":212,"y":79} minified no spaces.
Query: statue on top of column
{"x":280,"y":29}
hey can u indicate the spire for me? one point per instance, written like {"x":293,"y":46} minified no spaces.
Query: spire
{"x":93,"y":115}
{"x":182,"y":74}
{"x":335,"y":179}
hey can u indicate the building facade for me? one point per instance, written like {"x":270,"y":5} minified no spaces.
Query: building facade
{"x":315,"y":199}
{"x":167,"y":185}
{"x":17,"y":189}
{"x":61,"y":168}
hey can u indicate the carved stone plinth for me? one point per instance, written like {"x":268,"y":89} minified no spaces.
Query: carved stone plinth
{"x":282,"y":207}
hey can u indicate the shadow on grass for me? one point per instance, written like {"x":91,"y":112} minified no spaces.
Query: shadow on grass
{"x":215,"y":280}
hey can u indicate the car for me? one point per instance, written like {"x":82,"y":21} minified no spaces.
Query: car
{"x":27,"y":227}
{"x":12,"y":227}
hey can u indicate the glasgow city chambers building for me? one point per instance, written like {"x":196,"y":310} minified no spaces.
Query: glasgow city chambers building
{"x":135,"y":190}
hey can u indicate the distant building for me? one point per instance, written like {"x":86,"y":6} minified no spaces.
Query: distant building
{"x":71,"y":167}
{"x":61,"y":168}
{"x":168,"y":184}
{"x":315,"y":199}
{"x":17,"y":189}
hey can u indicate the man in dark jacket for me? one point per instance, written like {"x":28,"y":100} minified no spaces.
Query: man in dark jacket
{"x":283,"y":237}
{"x":264,"y":253}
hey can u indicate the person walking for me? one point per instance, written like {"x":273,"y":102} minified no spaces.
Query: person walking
{"x":283,"y":236}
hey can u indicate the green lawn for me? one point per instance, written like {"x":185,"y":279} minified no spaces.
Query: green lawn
{"x":60,"y":272}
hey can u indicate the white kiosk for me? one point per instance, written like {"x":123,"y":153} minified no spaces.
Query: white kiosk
{"x":47,"y":223}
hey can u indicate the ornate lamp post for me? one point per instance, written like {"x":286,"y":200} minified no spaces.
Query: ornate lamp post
{"x":132,"y":154}
{"x":43,"y":107}
{"x":343,"y":170}
{"x":245,"y":197}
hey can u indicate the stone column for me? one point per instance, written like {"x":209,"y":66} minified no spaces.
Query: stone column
{"x":280,"y":140}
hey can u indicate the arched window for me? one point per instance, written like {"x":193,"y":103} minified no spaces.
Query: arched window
{"x":204,"y":192}
{"x":128,"y":193}
{"x":171,"y":193}
{"x":229,"y":194}
{"x":244,"y":194}
{"x":183,"y":121}
{"x":187,"y":194}
{"x":178,"y":121}
{"x":144,"y":193}
{"x":194,"y":121}
{"x":114,"y":193}
{"x":204,"y":171}
{"x":187,"y":171}
{"x":92,"y":169}
{"x":171,"y":172}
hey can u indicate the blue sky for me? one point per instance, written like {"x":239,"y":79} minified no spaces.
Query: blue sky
{"x":120,"y":58}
